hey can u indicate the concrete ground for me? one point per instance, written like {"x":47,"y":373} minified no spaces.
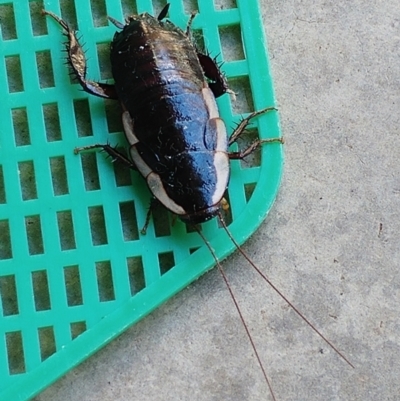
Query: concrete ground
{"x":331,"y":242}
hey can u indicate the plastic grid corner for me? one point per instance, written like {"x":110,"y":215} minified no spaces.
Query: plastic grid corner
{"x":74,"y":269}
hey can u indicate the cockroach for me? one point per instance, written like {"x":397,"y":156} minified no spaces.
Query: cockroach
{"x":177,"y":140}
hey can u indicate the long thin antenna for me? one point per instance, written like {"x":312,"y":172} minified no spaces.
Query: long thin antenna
{"x":279,"y":292}
{"x":221,"y":270}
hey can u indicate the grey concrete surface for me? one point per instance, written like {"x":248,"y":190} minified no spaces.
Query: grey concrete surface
{"x":331,"y":242}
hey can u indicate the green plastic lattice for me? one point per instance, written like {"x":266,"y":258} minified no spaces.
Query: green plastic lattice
{"x":74,"y":269}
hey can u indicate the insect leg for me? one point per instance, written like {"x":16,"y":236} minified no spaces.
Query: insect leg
{"x":211,"y":69}
{"x":77,"y":61}
{"x":118,"y":24}
{"x":119,"y":157}
{"x":153,"y":204}
{"x":241,"y":128}
{"x":189,"y":24}
{"x":163,"y":12}
{"x":112,"y":152}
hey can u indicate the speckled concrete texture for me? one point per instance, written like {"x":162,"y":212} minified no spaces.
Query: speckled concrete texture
{"x":331,"y":242}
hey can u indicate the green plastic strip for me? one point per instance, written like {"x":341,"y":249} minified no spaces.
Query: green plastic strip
{"x":74,"y":269}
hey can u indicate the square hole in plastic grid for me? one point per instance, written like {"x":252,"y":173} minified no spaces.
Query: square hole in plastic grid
{"x":14,"y":73}
{"x":7,"y":22}
{"x":73,"y":285}
{"x":39,"y":26}
{"x":8,"y":294}
{"x":45,"y":69}
{"x":15,"y":352}
{"x":51,"y":116}
{"x":2,"y":188}
{"x":5,"y":240}
{"x":41,"y":290}
{"x":21,"y":126}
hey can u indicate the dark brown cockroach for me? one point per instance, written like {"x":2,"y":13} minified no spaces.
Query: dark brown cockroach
{"x":177,"y":140}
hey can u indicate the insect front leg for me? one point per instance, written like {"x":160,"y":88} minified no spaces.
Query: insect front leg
{"x":77,"y":61}
{"x":241,"y":128}
{"x":211,"y":68}
{"x":189,"y":24}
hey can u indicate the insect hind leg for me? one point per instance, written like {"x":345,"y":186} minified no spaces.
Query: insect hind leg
{"x":77,"y":61}
{"x":242,"y":127}
{"x":116,"y":156}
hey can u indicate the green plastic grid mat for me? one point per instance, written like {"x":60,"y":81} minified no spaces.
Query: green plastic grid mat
{"x":74,"y":269}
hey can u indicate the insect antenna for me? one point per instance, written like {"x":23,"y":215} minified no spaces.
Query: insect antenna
{"x":225,"y":278}
{"x":238,"y":247}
